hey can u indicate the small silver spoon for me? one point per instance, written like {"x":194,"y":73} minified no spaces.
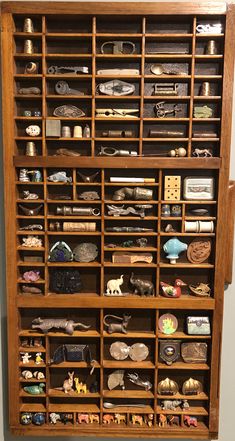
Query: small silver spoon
{"x":108,"y":405}
{"x":158,"y":69}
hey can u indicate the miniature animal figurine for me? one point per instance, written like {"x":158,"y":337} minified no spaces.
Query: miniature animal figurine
{"x":89,"y":195}
{"x":173,"y":247}
{"x":39,"y":359}
{"x":162,"y":420}
{"x":39,"y":375}
{"x":36,"y":389}
{"x":142,"y":286}
{"x":30,"y":196}
{"x":185,"y":405}
{"x":170,"y":404}
{"x":172,"y":291}
{"x":190,"y":421}
{"x":46,"y":324}
{"x":117,"y":327}
{"x":60,"y":177}
{"x":119,"y":418}
{"x":80,"y":387}
{"x":36,"y":175}
{"x":94,"y":418}
{"x":68,"y":384}
{"x":137,"y":419}
{"x":113,"y":286}
{"x":202,"y":153}
{"x":83,"y":418}
{"x":148,"y":419}
{"x":26,"y":357}
{"x":27,"y":374}
{"x":136,"y":379}
{"x":173,"y":420}
{"x":54,"y":417}
{"x":200,"y":290}
{"x":108,"y":418}
{"x":66,"y":418}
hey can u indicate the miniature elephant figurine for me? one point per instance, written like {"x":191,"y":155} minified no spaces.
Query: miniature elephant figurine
{"x":142,"y":286}
{"x":113,"y":286}
{"x":170,"y":404}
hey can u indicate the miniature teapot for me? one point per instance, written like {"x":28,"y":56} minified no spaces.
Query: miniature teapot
{"x":173,"y":247}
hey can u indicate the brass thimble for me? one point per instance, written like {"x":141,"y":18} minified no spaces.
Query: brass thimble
{"x":66,"y":132}
{"x":211,"y":48}
{"x":28,"y":25}
{"x":205,"y":89}
{"x":31,"y":149}
{"x":28,"y":47}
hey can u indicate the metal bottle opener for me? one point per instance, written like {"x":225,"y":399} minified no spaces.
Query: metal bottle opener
{"x":118,"y":47}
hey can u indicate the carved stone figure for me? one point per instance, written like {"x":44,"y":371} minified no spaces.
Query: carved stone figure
{"x":46,"y":324}
{"x":36,"y":389}
{"x":141,"y":286}
{"x":113,"y":286}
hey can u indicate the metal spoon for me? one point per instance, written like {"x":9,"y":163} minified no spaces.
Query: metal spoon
{"x":158,"y":69}
{"x":108,"y":405}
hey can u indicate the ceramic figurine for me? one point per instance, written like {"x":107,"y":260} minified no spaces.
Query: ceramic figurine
{"x":39,"y":375}
{"x":31,"y":276}
{"x":185,"y":404}
{"x":162,"y":420}
{"x":190,"y":421}
{"x":80,"y":387}
{"x":141,"y":286}
{"x":36,"y":389}
{"x":173,"y":420}
{"x":23,"y":175}
{"x":173,"y":247}
{"x":108,"y":418}
{"x":137,"y":419}
{"x":136,"y":379}
{"x":148,"y":419}
{"x":31,"y":196}
{"x":39,"y":359}
{"x":32,"y":241}
{"x":26,"y":418}
{"x":170,"y":229}
{"x":94,"y":418}
{"x":59,"y":177}
{"x":117,"y":327}
{"x":172,"y":291}
{"x":202,"y":153}
{"x":39,"y":419}
{"x":54,"y":417}
{"x":83,"y":418}
{"x":26,"y":357}
{"x":46,"y":324}
{"x":67,"y":384}
{"x":113,"y":287}
{"x":27,"y":375}
{"x":119,"y":418}
{"x":89,"y":195}
{"x":170,"y":404}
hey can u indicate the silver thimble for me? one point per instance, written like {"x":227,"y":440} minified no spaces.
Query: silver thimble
{"x":211,"y":48}
{"x":66,"y":132}
{"x":28,"y":47}
{"x":205,"y":89}
{"x":28,"y":25}
{"x":31,"y":149}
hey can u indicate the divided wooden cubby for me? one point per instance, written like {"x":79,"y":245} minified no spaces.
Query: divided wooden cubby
{"x":71,"y":34}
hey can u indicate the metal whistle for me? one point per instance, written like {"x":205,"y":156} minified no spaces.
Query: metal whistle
{"x":118,"y":47}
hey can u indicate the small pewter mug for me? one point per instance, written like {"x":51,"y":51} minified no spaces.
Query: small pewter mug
{"x":28,"y":47}
{"x":211,"y":48}
{"x":31,"y":149}
{"x":66,"y":132}
{"x":28,"y":25}
{"x":205,"y":89}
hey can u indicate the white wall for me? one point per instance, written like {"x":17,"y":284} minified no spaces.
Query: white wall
{"x":227,"y":397}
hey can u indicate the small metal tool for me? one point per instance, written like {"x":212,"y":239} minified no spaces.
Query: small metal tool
{"x":116,"y":113}
{"x":118,"y":47}
{"x":62,"y":88}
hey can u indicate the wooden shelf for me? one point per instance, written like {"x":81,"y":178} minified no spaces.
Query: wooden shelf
{"x":192,"y":411}
{"x":127,"y":394}
{"x":184,"y":366}
{"x":128,"y":364}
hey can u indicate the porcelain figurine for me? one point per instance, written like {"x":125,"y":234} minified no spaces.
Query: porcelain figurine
{"x":141,"y":286}
{"x":94,"y":418}
{"x":162,"y":420}
{"x":67,"y":384}
{"x":108,"y":418}
{"x":190,"y":421}
{"x":32,"y":241}
{"x":31,"y":276}
{"x":173,"y":420}
{"x":172,"y":291}
{"x":83,"y":418}
{"x":119,"y":418}
{"x":27,"y":374}
{"x":26,"y":418}
{"x":39,"y":359}
{"x":117,"y":327}
{"x":36,"y":389}
{"x":170,"y":404}
{"x":113,"y":287}
{"x":80,"y":387}
{"x":39,"y":375}
{"x":173,"y":247}
{"x":137,"y":419}
{"x":31,"y":196}
{"x":54,"y":417}
{"x":59,"y":177}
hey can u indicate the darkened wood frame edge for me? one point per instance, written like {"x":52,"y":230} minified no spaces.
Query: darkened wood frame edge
{"x":230,"y":233}
{"x":7,"y":73}
{"x":122,"y":8}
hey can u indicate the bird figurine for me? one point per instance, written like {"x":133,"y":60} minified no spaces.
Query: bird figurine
{"x":172,"y":291}
{"x":36,"y":389}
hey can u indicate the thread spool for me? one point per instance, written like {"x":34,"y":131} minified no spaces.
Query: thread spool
{"x":77,"y":132}
{"x":28,"y":25}
{"x":205,"y":89}
{"x":66,"y":132}
{"x":28,"y":47}
{"x":191,"y":227}
{"x":206,"y":227}
{"x":211,"y":48}
{"x":31,"y":149}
